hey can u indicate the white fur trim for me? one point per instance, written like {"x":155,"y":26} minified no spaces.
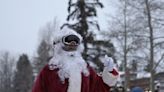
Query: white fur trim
{"x":109,"y":78}
{"x":75,"y":83}
{"x":70,"y":64}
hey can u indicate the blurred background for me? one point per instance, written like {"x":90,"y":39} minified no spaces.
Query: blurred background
{"x":129,"y":31}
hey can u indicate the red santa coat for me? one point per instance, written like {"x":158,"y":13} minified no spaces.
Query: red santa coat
{"x":49,"y":81}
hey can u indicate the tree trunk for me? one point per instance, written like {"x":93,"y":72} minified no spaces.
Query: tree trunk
{"x":125,"y":49}
{"x":151,"y":46}
{"x":84,"y":29}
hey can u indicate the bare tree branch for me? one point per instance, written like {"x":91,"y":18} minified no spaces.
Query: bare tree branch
{"x":159,"y":61}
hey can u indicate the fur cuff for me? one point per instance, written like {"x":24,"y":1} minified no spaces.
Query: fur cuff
{"x":109,"y":78}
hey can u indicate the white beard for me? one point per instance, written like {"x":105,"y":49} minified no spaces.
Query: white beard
{"x":71,"y":65}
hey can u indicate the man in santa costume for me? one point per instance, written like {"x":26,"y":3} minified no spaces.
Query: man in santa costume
{"x":68,"y":72}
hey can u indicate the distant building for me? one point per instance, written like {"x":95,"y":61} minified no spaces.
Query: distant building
{"x":142,"y":79}
{"x":142,"y":82}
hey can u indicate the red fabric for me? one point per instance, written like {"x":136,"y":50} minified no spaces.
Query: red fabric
{"x":114,"y":72}
{"x":48,"y":81}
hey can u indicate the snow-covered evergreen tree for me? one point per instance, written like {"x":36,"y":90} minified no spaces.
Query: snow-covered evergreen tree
{"x":23,"y":78}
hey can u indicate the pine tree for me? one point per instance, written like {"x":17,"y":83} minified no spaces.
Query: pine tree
{"x":43,"y":56}
{"x":84,"y":12}
{"x":99,"y":49}
{"x":23,"y":78}
{"x":45,"y":49}
{"x":81,"y":11}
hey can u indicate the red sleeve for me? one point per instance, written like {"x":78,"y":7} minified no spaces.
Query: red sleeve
{"x":39,"y":85}
{"x":96,"y":83}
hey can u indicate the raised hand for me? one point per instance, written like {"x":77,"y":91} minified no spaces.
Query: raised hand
{"x":108,"y":63}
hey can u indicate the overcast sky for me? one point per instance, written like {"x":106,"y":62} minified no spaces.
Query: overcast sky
{"x":20,"y":21}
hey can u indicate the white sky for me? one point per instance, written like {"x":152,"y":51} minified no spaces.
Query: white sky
{"x":20,"y":21}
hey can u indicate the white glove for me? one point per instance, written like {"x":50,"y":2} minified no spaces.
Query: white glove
{"x":108,"y":63}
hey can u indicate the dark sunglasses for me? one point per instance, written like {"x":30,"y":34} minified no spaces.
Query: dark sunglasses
{"x":71,"y":38}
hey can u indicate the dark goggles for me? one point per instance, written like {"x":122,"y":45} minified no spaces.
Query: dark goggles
{"x":71,"y":38}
